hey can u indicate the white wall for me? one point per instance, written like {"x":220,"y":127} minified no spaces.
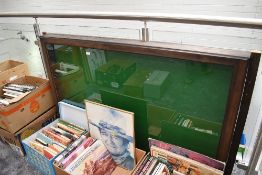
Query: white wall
{"x":222,"y":37}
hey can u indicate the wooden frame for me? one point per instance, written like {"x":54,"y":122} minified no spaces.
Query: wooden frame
{"x":239,"y":61}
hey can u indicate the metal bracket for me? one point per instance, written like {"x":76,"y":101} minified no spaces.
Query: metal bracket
{"x":37,"y":29}
{"x":38,"y":43}
{"x":145,"y":32}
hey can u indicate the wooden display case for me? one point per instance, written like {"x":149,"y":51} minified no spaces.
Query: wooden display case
{"x":221,"y":83}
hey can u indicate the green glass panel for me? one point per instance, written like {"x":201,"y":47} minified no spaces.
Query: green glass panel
{"x":178,"y":101}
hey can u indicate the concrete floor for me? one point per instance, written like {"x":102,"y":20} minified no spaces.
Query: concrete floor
{"x":13,"y":164}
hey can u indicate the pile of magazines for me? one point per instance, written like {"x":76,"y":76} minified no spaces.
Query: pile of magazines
{"x":14,"y":92}
{"x":54,"y":139}
{"x":165,"y":159}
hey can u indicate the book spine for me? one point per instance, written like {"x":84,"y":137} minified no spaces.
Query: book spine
{"x":160,"y":169}
{"x":56,"y":137}
{"x":48,"y":154}
{"x":157,"y":168}
{"x":146,"y":166}
{"x":64,"y":133}
{"x":151,"y":166}
{"x":71,"y":167}
{"x":69,"y":129}
{"x":69,"y":149}
{"x":71,"y":125}
{"x":142,"y":165}
{"x":37,"y":146}
{"x":77,"y":152}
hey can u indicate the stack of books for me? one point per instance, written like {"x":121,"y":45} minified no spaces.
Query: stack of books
{"x":152,"y":166}
{"x":54,"y":139}
{"x":14,"y":92}
{"x":89,"y":157}
{"x":167,"y":159}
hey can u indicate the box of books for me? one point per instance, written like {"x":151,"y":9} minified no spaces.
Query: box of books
{"x":15,"y":139}
{"x":86,"y":152}
{"x":57,"y":138}
{"x":23,"y":100}
{"x":171,"y":159}
{"x":11,"y":69}
{"x":110,"y":149}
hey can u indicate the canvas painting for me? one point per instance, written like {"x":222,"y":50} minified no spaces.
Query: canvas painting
{"x":115,"y":128}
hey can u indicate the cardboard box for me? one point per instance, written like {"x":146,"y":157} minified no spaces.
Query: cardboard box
{"x":69,"y":80}
{"x":69,"y":113}
{"x":10,"y":70}
{"x":115,"y":73}
{"x":17,"y":115}
{"x":134,"y":85}
{"x":156,"y":84}
{"x":15,"y":140}
{"x":139,"y":154}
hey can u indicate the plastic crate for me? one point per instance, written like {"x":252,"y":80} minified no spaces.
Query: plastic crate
{"x":36,"y":159}
{"x":39,"y":161}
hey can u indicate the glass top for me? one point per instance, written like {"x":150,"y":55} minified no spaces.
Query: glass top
{"x":178,"y":101}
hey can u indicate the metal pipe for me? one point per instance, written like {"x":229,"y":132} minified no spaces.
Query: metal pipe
{"x":159,"y":17}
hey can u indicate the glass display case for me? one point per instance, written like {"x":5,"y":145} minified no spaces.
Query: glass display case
{"x":184,"y":95}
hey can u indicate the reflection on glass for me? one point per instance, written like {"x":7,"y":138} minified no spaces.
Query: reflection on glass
{"x":178,"y":101}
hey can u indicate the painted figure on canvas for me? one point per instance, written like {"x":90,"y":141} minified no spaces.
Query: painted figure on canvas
{"x":117,"y":142}
{"x":112,"y":128}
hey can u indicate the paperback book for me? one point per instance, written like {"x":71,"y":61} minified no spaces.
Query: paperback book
{"x":58,"y":137}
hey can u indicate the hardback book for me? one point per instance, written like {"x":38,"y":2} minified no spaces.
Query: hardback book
{"x":94,"y":160}
{"x":188,"y":154}
{"x":182,"y":164}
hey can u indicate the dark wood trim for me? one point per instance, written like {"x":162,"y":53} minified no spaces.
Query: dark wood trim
{"x":243,"y":110}
{"x":194,"y":53}
{"x":234,"y":98}
{"x":47,"y":64}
